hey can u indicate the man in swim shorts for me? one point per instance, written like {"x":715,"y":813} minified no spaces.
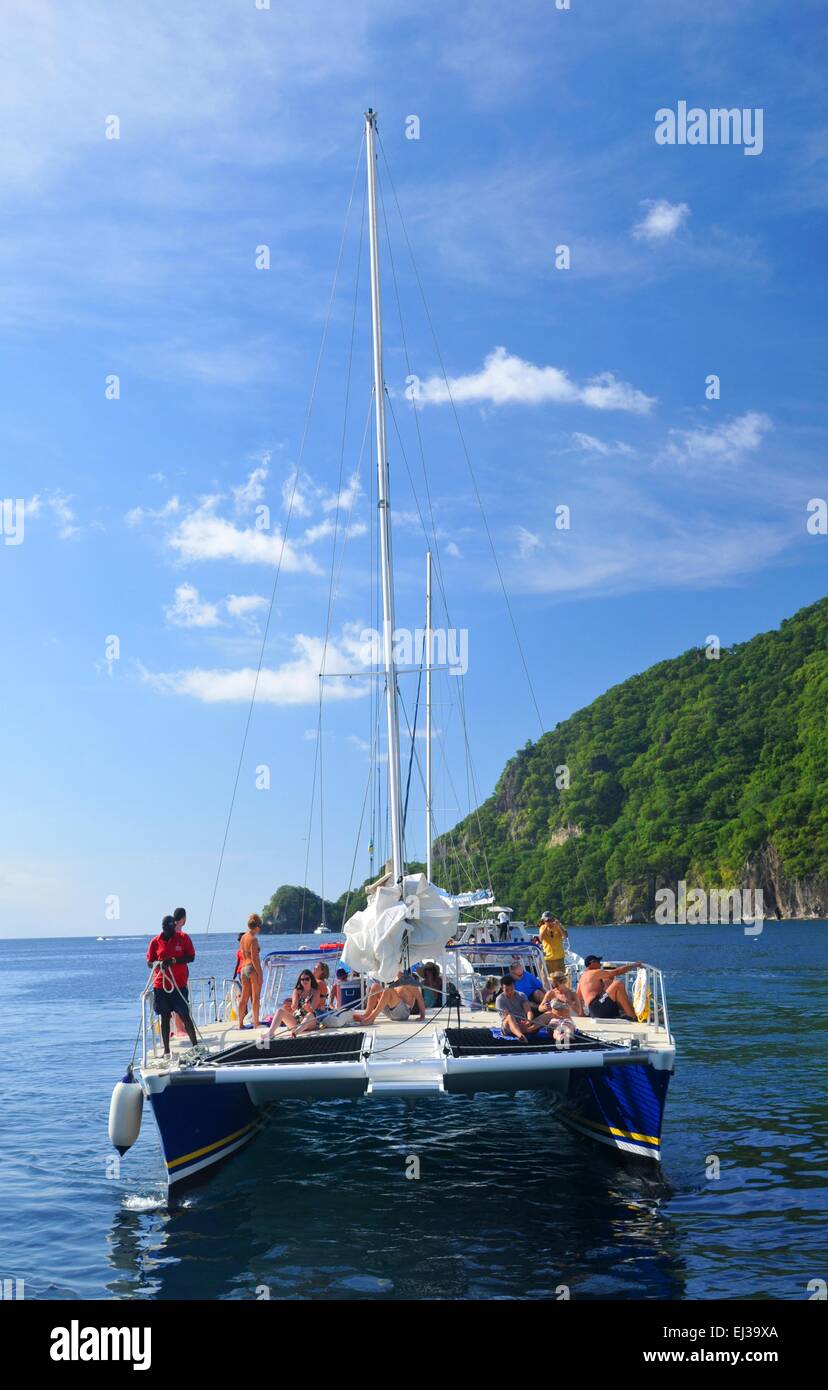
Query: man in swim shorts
{"x":602,"y":992}
{"x":397,"y":1002}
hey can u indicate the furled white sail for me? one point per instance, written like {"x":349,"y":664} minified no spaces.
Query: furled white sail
{"x":414,"y":924}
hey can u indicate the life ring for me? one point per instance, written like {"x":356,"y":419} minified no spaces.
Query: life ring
{"x":641,"y":996}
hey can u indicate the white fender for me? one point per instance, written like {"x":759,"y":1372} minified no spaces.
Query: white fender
{"x":125,"y":1110}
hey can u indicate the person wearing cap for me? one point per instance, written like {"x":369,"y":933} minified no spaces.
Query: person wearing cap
{"x":602,"y":992}
{"x":553,"y":941}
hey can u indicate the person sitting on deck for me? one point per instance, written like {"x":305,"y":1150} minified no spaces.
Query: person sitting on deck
{"x":526,"y":983}
{"x":336,"y":988}
{"x":489,"y":992}
{"x":560,"y":997}
{"x":602,"y":992}
{"x":306,"y":1007}
{"x":432,"y":985}
{"x":515,"y":1014}
{"x":321,"y":974}
{"x":397,"y":1002}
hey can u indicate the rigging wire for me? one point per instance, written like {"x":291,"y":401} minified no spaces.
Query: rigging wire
{"x":288,"y":518}
{"x":462,"y":437}
{"x":472,"y":475}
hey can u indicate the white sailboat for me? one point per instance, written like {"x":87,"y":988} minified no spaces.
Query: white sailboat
{"x":608,"y":1080}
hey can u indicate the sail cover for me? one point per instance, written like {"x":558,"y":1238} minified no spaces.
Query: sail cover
{"x":419,"y":919}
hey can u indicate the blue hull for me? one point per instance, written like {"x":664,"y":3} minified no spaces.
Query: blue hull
{"x":201,"y":1126}
{"x":622,"y":1107}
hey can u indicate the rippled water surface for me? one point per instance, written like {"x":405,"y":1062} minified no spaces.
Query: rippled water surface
{"x":508,"y":1203}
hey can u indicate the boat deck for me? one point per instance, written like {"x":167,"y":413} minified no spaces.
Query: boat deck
{"x":394,"y":1046}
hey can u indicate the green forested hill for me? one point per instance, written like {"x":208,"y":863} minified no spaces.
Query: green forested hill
{"x":714,"y":771}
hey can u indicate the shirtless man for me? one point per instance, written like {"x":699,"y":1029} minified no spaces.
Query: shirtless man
{"x":250,"y":973}
{"x":601,"y":991}
{"x":398,"y":1002}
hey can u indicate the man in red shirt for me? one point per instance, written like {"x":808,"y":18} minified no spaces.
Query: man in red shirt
{"x":171,"y":952}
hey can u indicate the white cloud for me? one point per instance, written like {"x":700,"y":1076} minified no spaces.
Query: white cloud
{"x":671,"y":552}
{"x":508,"y":380}
{"x":251,"y":492}
{"x":590,"y":444}
{"x":243,"y":606}
{"x":189,"y":610}
{"x":319,"y":532}
{"x":295,"y":682}
{"x":294,"y":494}
{"x":661,"y":221}
{"x":202,"y":535}
{"x":453,"y":549}
{"x":527,"y":542}
{"x":345,"y":499}
{"x":137,"y":515}
{"x":57,"y":503}
{"x":727,"y":443}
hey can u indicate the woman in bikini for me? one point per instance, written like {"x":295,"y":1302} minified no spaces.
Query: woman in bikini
{"x":250,"y":973}
{"x":306,"y":1006}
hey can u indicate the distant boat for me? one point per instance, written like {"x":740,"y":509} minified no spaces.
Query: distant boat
{"x":321,"y":930}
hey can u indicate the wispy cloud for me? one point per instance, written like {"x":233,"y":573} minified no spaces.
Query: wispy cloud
{"x":203,"y":535}
{"x":249,"y":493}
{"x":695,"y":553}
{"x":527,"y":542}
{"x":136,"y":516}
{"x":505,"y":379}
{"x":295,"y":682}
{"x":727,"y":443}
{"x":56,"y":503}
{"x":243,"y":606}
{"x":590,"y":445}
{"x":189,"y":610}
{"x":661,"y":221}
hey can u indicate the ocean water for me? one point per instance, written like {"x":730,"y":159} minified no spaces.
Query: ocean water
{"x":508,"y":1203}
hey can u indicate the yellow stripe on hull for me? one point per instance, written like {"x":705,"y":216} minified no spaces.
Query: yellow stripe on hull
{"x":210,"y":1148}
{"x":619,"y":1133}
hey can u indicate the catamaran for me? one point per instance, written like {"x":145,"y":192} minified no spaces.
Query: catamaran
{"x":607,"y":1078}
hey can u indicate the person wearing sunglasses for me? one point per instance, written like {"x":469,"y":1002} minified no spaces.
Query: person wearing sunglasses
{"x":306,"y":1007}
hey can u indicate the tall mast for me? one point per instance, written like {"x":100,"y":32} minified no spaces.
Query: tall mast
{"x":392,"y":717}
{"x":428,"y":829}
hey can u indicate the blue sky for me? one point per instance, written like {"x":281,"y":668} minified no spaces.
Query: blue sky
{"x":584,"y":387}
